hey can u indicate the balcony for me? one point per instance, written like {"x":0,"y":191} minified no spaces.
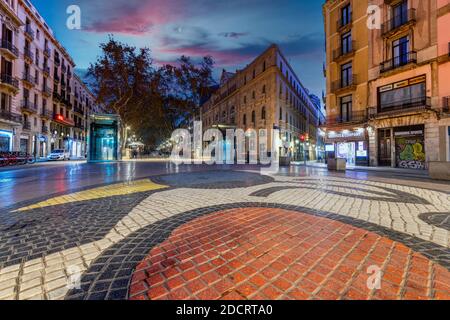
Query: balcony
{"x":9,"y":49}
{"x":10,"y":116}
{"x":56,"y":96}
{"x":78,"y":110}
{"x":398,"y":22}
{"x":47,"y":52}
{"x":341,"y":84}
{"x":26,"y":125}
{"x":352,"y":118}
{"x":57,"y":62}
{"x":28,"y":106}
{"x":28,"y":79}
{"x":9,"y":82}
{"x":46,"y":114}
{"x":344,"y":52}
{"x":29,"y":32}
{"x":62,"y":120}
{"x":63,"y":68}
{"x":56,"y":78}
{"x":46,"y":71}
{"x":28,"y":54}
{"x":46,"y":91}
{"x":404,"y":106}
{"x":44,"y":130}
{"x":446,"y":105}
{"x":400,"y":61}
{"x":69,"y":74}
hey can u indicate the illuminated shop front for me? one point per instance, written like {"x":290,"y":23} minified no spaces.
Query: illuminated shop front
{"x":351,"y":145}
{"x":6,"y":141}
{"x":104,"y":138}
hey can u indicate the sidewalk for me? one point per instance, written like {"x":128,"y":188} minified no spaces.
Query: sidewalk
{"x":315,"y":164}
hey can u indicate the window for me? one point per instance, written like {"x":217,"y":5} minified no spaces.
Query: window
{"x":346,"y":108}
{"x":410,"y":96}
{"x":244,"y":120}
{"x":254,"y":73}
{"x":400,"y":51}
{"x":264,"y":66}
{"x":253,"y":117}
{"x":263,"y":113}
{"x":245,"y":99}
{"x":346,"y":75}
{"x":264,"y":89}
{"x":253,"y":95}
{"x":400,"y":14}
{"x":346,"y":43}
{"x":346,"y":15}
{"x":281,"y":114}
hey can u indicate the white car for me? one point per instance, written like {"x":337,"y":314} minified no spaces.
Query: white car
{"x":59,"y":154}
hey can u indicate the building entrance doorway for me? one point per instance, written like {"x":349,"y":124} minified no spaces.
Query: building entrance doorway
{"x":384,"y":147}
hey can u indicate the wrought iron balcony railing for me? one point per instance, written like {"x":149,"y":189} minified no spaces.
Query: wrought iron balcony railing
{"x":344,"y":50}
{"x":28,"y":54}
{"x":29,"y":106}
{"x":399,"y":61}
{"x":10,"y":80}
{"x":408,"y":104}
{"x":446,"y":104}
{"x":353,"y":117}
{"x":344,"y":83}
{"x":10,"y":47}
{"x":28,"y":78}
{"x":10,"y":116}
{"x":398,"y":21}
{"x":26,"y":125}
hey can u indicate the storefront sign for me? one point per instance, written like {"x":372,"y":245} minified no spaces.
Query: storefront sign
{"x":408,"y":133}
{"x":345,"y":134}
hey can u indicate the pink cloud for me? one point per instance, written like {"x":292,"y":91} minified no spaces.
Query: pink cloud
{"x":134,"y":17}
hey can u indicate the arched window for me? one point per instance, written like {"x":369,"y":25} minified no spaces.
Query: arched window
{"x":253,"y":117}
{"x":263,"y":113}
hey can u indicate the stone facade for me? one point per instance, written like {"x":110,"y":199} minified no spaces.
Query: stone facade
{"x":266,"y":94}
{"x":44,"y":105}
{"x":347,"y":55}
{"x":407,"y":79}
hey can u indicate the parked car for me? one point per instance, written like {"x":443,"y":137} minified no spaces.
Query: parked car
{"x":59,"y":154}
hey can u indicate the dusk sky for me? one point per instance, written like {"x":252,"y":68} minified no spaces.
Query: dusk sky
{"x":233,"y":31}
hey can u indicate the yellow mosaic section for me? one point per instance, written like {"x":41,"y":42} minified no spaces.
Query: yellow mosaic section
{"x":98,"y":193}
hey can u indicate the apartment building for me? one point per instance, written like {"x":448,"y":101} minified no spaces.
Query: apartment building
{"x":347,"y":55}
{"x":402,"y":78}
{"x":267,"y":94}
{"x":44,"y":106}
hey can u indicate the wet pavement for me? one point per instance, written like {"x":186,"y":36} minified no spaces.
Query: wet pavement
{"x":152,"y":230}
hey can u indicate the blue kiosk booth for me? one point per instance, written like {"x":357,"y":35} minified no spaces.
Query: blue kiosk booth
{"x":104,"y":138}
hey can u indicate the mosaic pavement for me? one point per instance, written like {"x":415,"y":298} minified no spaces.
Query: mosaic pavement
{"x":228,"y":235}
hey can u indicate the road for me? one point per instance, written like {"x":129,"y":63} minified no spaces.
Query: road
{"x":151,"y":230}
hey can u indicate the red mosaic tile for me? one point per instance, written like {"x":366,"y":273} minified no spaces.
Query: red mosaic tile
{"x":258,"y":253}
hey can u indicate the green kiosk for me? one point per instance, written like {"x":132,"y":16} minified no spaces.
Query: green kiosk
{"x":104,"y":138}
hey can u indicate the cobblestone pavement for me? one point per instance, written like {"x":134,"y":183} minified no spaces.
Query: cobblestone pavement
{"x":229,"y":235}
